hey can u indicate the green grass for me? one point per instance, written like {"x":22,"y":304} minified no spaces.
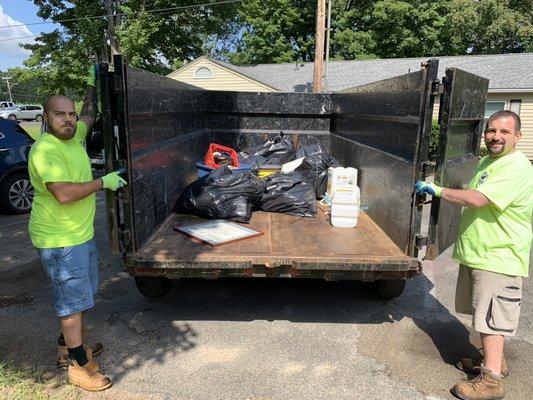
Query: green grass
{"x":34,"y":130}
{"x":23,"y":384}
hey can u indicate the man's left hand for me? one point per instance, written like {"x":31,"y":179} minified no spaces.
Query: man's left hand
{"x":422,"y":187}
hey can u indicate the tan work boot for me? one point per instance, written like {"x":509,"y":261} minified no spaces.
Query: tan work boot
{"x":469,"y":365}
{"x":62,"y":353}
{"x":88,"y":377}
{"x":485,"y":386}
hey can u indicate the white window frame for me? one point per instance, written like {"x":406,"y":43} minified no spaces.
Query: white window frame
{"x":204,"y":77}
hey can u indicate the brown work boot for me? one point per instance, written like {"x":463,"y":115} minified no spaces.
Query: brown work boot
{"x":62,"y":353}
{"x":485,"y":386}
{"x":88,"y":377}
{"x":469,"y":365}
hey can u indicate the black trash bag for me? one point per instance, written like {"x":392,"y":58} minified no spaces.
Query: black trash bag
{"x":222,"y":194}
{"x":275,"y":151}
{"x":314,"y":167}
{"x":290,"y":194}
{"x":255,"y":162}
{"x":309,"y":150}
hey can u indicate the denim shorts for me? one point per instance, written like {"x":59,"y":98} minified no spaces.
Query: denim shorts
{"x":73,"y":271}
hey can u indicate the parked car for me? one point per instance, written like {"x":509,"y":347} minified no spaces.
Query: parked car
{"x":23,"y":112}
{"x":16,"y":191}
{"x":6,"y":104}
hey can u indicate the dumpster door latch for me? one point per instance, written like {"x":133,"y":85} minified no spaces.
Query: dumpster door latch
{"x":436,"y":87}
{"x":420,"y":241}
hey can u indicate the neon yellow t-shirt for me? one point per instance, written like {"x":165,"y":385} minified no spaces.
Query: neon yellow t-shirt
{"x":498,"y":237}
{"x":53,"y":224}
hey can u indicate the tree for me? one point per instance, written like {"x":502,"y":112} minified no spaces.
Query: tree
{"x":22,"y":90}
{"x":389,"y":28}
{"x":156,"y":41}
{"x":273,"y":31}
{"x":59,"y":59}
{"x":283,"y":30}
{"x":490,"y":26}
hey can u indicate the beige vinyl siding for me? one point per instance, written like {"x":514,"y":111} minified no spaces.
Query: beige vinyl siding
{"x":526,"y":115}
{"x":223,"y":78}
{"x":436,"y":107}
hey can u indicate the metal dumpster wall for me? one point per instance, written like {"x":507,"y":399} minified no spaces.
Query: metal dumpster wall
{"x":378,"y":128}
{"x":243,"y":119}
{"x":167,"y":130}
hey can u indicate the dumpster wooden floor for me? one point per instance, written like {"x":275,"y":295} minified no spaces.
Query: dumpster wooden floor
{"x":303,"y":243}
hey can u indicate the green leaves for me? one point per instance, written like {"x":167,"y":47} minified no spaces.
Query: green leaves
{"x":273,"y":31}
{"x":266,"y":31}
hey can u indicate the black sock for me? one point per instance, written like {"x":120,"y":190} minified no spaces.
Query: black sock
{"x":78,"y":354}
{"x":61,"y":340}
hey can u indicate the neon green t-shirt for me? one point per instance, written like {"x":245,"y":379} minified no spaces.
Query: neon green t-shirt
{"x":497,"y":237}
{"x":53,"y":224}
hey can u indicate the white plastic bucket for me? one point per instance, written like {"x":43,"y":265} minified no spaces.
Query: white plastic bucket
{"x":340,"y":177}
{"x":345,"y":207}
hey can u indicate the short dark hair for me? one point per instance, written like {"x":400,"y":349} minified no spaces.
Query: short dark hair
{"x":505,"y":114}
{"x":49,"y":99}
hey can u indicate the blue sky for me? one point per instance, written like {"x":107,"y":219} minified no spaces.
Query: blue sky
{"x":17,"y":12}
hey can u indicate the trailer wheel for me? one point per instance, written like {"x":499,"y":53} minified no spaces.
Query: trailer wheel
{"x":153,"y":286}
{"x":390,"y":288}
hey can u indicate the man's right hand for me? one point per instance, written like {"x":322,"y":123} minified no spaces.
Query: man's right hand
{"x":112,"y":181}
{"x":422,"y":187}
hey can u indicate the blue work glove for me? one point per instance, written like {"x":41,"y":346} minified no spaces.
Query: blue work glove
{"x":92,"y":74}
{"x":422,"y":187}
{"x":113,"y":181}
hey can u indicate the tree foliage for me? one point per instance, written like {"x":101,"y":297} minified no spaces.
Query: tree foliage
{"x":283,"y":30}
{"x":161,"y":41}
{"x":274,"y":31}
{"x":490,"y":26}
{"x":267,"y":31}
{"x":156,"y":41}
{"x":60,"y":59}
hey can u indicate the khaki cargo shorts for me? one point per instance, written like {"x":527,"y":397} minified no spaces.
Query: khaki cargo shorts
{"x":492,"y":299}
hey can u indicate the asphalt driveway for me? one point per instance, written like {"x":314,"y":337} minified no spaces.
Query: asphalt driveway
{"x":254,"y":339}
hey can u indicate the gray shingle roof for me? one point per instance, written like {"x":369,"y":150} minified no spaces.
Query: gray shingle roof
{"x":507,"y":72}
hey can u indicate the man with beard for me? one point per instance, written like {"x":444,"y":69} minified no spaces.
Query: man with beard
{"x":61,"y":227}
{"x":492,"y":248}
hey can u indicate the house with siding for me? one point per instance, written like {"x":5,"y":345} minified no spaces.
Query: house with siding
{"x":510,"y":75}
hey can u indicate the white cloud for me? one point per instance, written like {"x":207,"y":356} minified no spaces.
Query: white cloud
{"x":11,"y":48}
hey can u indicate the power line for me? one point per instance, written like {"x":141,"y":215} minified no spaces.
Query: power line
{"x":19,"y":37}
{"x":123,"y":14}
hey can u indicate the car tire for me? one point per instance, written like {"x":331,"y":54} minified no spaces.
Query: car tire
{"x":153,"y":286}
{"x":16,"y":194}
{"x":12,"y":117}
{"x":390,"y":288}
{"x":38,"y":118}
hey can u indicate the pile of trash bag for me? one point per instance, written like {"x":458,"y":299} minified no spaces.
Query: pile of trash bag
{"x":227,"y":194}
{"x":222,"y":194}
{"x":289,"y":194}
{"x":314,"y":167}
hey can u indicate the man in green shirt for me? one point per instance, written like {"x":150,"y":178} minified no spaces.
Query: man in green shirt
{"x":493,"y":249}
{"x":61,"y":227}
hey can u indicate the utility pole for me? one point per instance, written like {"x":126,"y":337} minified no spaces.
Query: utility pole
{"x":328,"y":34}
{"x":111,"y":28}
{"x":7,"y":78}
{"x":319,"y":45}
